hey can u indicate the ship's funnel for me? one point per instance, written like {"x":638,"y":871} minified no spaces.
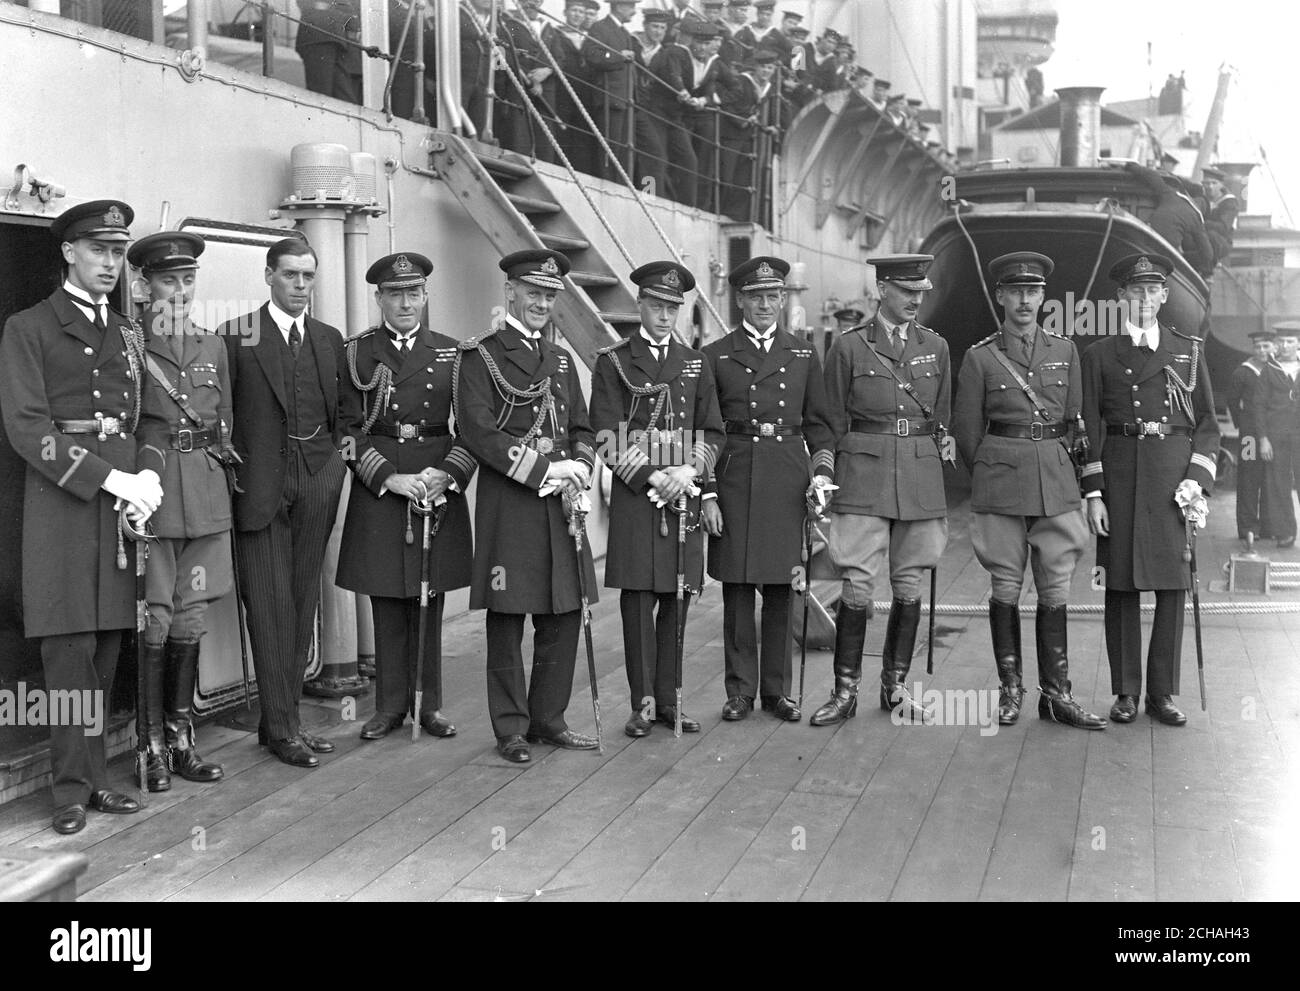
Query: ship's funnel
{"x":1080,"y":124}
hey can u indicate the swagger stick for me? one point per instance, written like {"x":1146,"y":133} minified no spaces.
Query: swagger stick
{"x":683,"y":598}
{"x":578,"y":530}
{"x":929,"y":647}
{"x":1189,"y":555}
{"x":807,"y":591}
{"x":127,"y":529}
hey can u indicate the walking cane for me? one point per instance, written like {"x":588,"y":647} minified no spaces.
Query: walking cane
{"x":1189,"y":555}
{"x":929,"y":648}
{"x":683,"y":597}
{"x":578,"y":530}
{"x":431,"y":521}
{"x":126,"y":529}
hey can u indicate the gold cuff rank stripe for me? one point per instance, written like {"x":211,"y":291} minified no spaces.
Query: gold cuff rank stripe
{"x":462,"y":460}
{"x":523,"y":463}
{"x":368,"y":466}
{"x":1205,"y":463}
{"x":705,"y":456}
{"x":824,"y":460}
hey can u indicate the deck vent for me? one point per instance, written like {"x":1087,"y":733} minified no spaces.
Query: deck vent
{"x":364,"y":188}
{"x":321,"y":172}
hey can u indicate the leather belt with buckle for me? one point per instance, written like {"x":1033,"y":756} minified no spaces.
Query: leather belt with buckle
{"x":105,"y":426}
{"x":545,"y":445}
{"x":901,"y":426}
{"x":1028,"y":431}
{"x":410,"y":431}
{"x":186,"y":439}
{"x":1146,"y":428}
{"x":752,"y":429}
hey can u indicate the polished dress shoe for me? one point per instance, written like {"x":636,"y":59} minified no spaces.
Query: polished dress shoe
{"x":637,"y":725}
{"x":293,"y":752}
{"x":568,"y":740}
{"x":668,"y":716}
{"x":782,"y":708}
{"x":1163,"y":708}
{"x":381,"y":724}
{"x":1125,"y":709}
{"x":514,"y":749}
{"x":113,"y":802}
{"x":737,"y":707}
{"x":317,"y":744}
{"x":70,"y":819}
{"x":436,"y":724}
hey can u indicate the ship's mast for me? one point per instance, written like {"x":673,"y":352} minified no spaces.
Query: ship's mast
{"x":1210,"y":137}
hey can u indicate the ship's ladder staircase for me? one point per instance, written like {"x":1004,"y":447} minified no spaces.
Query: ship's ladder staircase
{"x":513,"y":206}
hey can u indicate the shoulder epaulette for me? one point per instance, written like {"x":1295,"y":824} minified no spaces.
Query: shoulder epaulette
{"x":1187,"y":337}
{"x":615,"y":346}
{"x":1052,"y":333}
{"x":988,"y":340}
{"x":364,"y":333}
{"x":1258,"y":371}
{"x":861,"y":326}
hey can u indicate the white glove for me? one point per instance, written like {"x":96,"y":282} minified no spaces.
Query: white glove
{"x":1191,"y":499}
{"x":142,"y":491}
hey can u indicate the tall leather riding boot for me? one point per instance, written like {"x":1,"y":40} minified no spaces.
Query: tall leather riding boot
{"x":896,"y":661}
{"x":1004,"y":621}
{"x":182,"y":670}
{"x":850,"y":632}
{"x":150,"y":712}
{"x":1054,"y":700}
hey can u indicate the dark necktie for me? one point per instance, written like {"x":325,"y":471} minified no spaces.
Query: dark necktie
{"x":1026,"y":348}
{"x":99,"y":316}
{"x":295,"y":339}
{"x":403,"y":344}
{"x":661,"y":352}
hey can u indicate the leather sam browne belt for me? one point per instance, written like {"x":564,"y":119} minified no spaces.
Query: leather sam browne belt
{"x":898,"y":426}
{"x":1145,"y":428}
{"x":1031,"y":431}
{"x":410,"y":431}
{"x":761,"y":429}
{"x":189,"y":439}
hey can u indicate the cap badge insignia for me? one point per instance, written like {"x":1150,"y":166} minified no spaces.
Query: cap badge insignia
{"x":549,"y":266}
{"x":1143,"y":264}
{"x":114,"y":218}
{"x":1022,"y":268}
{"x":672,"y":280}
{"x":173,"y":248}
{"x":765,"y":271}
{"x":403,"y":266}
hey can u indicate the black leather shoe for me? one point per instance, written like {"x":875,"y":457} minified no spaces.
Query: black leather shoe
{"x":110,"y":801}
{"x":1163,"y":708}
{"x":1284,"y":544}
{"x":1125,"y":709}
{"x":70,"y":819}
{"x":782,"y":708}
{"x":514,"y":749}
{"x":381,"y":724}
{"x":568,"y":740}
{"x":317,"y":744}
{"x":436,"y":724}
{"x":668,"y":716}
{"x":637,"y":725}
{"x":293,"y":752}
{"x":737,"y":707}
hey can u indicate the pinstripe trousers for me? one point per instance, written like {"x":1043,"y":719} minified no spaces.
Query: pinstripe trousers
{"x":279,"y":575}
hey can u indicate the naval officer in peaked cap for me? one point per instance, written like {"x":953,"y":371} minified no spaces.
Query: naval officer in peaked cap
{"x":394,"y":413}
{"x":654,"y":408}
{"x":1150,"y":416}
{"x":520,"y":411}
{"x":1019,"y":398}
{"x":70,"y":374}
{"x":778,"y":455}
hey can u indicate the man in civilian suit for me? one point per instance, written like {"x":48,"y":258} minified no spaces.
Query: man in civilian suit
{"x":284,"y":377}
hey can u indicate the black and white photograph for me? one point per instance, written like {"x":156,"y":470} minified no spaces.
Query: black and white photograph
{"x":650,"y":451}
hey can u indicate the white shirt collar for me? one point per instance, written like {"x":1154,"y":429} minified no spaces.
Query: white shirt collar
{"x":648,"y":52}
{"x":81,"y":296}
{"x":752,"y":331}
{"x":394,"y":332}
{"x":284,"y":321}
{"x":649,"y":339}
{"x":527,"y":334}
{"x":1135,"y":334}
